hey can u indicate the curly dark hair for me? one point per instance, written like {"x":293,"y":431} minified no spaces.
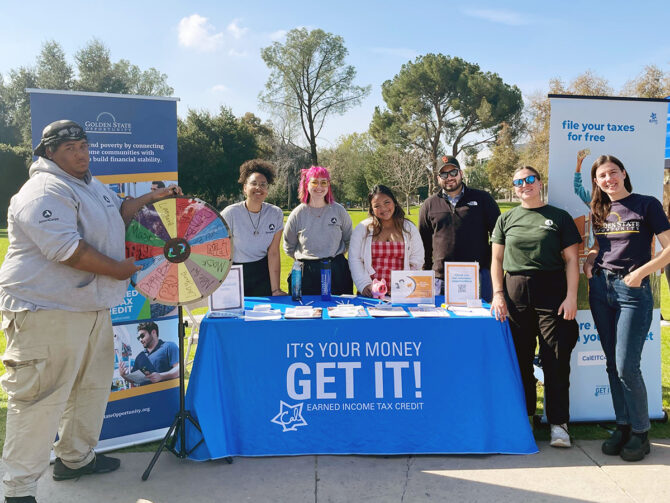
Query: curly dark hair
{"x":265,"y":168}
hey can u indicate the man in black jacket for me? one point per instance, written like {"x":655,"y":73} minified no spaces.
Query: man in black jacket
{"x":455,"y":225}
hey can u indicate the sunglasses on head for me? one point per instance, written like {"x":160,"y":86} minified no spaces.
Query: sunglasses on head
{"x":446,"y":174}
{"x":530,"y":179}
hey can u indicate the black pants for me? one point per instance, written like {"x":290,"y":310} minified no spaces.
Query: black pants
{"x":340,"y":277}
{"x":533,"y":298}
{"x":256,"y":278}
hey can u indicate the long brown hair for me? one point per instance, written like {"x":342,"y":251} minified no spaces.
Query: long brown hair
{"x":601,"y":202}
{"x":398,"y":216}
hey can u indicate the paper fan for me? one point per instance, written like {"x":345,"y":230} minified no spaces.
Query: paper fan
{"x":184,"y":248}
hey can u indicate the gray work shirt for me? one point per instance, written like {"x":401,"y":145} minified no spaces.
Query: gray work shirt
{"x":252,"y":232}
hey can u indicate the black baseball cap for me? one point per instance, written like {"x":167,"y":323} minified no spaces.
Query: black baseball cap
{"x":447,"y":160}
{"x":59,"y":132}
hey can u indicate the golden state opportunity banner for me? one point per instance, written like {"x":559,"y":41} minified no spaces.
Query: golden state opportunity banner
{"x":633,"y":130}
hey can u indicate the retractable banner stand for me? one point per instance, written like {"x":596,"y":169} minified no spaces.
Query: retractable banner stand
{"x":132,"y":146}
{"x":634,"y":131}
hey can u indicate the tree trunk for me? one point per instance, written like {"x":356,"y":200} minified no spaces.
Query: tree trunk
{"x":407,"y":203}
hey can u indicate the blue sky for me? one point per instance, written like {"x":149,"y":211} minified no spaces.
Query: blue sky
{"x":210,"y":50}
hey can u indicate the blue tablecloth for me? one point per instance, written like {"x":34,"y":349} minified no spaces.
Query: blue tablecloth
{"x":356,"y":386}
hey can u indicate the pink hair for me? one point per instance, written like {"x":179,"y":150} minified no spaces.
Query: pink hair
{"x":306,"y":175}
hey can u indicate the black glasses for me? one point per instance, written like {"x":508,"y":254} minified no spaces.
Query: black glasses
{"x":141,"y":336}
{"x":530,"y":179}
{"x":446,"y":174}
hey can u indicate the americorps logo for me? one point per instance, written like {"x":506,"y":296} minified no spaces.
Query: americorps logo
{"x":289,"y":417}
{"x":106,"y":123}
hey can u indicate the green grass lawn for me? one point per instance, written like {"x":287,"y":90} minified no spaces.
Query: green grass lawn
{"x":587,"y":431}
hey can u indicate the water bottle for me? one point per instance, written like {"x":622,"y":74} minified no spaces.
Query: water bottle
{"x":325,"y":279}
{"x":296,"y":281}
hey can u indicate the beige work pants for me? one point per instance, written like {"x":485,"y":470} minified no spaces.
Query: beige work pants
{"x":59,"y":368}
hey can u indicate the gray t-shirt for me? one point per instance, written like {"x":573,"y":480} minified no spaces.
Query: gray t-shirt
{"x":314,"y":233}
{"x":252,"y":232}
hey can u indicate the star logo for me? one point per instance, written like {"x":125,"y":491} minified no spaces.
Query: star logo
{"x":271,"y":227}
{"x":47,"y":213}
{"x":289,"y":417}
{"x":333,"y":220}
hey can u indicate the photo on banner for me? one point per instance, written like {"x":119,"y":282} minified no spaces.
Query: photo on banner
{"x":635,"y":131}
{"x":133,"y":149}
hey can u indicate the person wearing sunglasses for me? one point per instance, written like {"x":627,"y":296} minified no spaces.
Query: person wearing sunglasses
{"x":536,"y":245}
{"x":256,"y":228}
{"x":455,"y":225}
{"x":625,"y":225}
{"x":317,"y":231}
{"x":160,"y":359}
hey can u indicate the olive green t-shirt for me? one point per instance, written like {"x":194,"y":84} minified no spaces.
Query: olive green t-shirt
{"x":535,"y":237}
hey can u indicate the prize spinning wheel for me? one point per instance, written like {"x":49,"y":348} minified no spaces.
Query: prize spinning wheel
{"x":184,"y":248}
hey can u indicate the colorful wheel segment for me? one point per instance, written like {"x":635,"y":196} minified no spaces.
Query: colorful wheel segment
{"x":184,"y":248}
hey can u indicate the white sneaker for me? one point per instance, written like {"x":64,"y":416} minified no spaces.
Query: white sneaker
{"x":559,"y":435}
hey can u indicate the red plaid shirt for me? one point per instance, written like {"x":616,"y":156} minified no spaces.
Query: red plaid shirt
{"x":387,"y":256}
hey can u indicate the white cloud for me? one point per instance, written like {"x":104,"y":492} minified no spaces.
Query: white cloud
{"x":236,"y":30}
{"x":196,"y":33}
{"x":499,"y":16}
{"x":278,"y":35}
{"x":237,"y":54}
{"x":399,"y":52}
{"x":219,"y":88}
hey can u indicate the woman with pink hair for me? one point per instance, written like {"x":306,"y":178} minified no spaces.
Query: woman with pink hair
{"x":317,"y":231}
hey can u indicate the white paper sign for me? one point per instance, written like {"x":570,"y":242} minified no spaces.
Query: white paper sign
{"x":413,"y":287}
{"x":461,"y":282}
{"x":230,"y":295}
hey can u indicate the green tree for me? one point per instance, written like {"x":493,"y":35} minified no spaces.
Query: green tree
{"x":53,"y":71}
{"x":13,"y":173}
{"x":349,"y":162}
{"x":438,"y":98}
{"x":17,"y":106}
{"x":211,"y":150}
{"x":503,"y":162}
{"x":475,"y":173}
{"x":309,"y":77}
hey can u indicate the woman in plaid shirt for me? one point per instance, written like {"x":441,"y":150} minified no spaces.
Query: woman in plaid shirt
{"x":384,"y":242}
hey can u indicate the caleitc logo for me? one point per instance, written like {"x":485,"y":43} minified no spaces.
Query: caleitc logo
{"x":653,"y":119}
{"x":105,"y":122}
{"x":289,"y":417}
{"x":47,"y":213}
{"x":591,"y":358}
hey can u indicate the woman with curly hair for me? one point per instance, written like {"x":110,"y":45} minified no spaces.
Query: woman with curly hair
{"x":256,"y":228}
{"x":384,"y":242}
{"x":318,"y":230}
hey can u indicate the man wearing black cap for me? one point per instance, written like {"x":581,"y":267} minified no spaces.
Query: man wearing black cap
{"x":455,"y":225}
{"x":64,"y":269}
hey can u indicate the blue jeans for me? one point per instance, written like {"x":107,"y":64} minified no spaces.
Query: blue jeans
{"x":623,"y":316}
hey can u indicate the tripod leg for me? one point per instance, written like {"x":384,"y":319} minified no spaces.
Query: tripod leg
{"x":167,"y":436}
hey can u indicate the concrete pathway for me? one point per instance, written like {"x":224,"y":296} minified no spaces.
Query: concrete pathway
{"x":580,"y":474}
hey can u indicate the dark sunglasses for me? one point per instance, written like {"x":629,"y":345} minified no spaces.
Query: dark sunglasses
{"x":530,"y":179}
{"x":141,"y":336}
{"x":446,"y":174}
